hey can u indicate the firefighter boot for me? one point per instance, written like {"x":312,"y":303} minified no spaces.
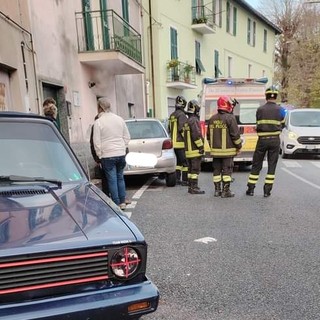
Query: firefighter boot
{"x":184,"y":181}
{"x":226,"y":192}
{"x":250,"y":190}
{"x":267,"y":190}
{"x":217,"y":189}
{"x":193,"y":187}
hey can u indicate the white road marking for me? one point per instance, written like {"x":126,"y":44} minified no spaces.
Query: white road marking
{"x":316,"y":164}
{"x":265,"y":164}
{"x":206,"y":240}
{"x":301,"y":179}
{"x":131,"y":205}
{"x":140,"y":192}
{"x":128,"y":214}
{"x":291,"y":164}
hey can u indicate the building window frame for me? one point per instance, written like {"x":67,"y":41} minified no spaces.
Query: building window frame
{"x":173,"y":43}
{"x":265,"y":40}
{"x":251,"y":32}
{"x":229,"y":67}
{"x":199,"y":65}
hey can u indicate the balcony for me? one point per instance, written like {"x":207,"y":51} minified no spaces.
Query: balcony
{"x":202,"y":20}
{"x":106,"y":41}
{"x":180,"y":75}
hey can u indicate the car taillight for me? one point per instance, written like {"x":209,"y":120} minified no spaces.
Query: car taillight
{"x":167,"y":144}
{"x":125,"y":263}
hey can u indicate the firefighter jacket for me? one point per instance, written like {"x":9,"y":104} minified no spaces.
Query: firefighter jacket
{"x":177,"y":120}
{"x":270,"y":119}
{"x":193,"y":138}
{"x":223,"y":135}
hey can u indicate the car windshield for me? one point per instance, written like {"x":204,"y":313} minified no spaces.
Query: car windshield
{"x":34,"y":150}
{"x":145,"y":129}
{"x":305,"y":119}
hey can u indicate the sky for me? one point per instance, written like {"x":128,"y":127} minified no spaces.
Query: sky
{"x":253,"y":3}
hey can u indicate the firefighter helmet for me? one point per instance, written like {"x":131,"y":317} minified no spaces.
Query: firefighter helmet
{"x":193,"y":107}
{"x":181,"y":102}
{"x":224,"y":104}
{"x":272,"y":93}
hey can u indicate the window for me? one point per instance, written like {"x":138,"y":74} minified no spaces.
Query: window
{"x":265,"y":37}
{"x":229,"y":67}
{"x":217,"y":12}
{"x":197,"y":9}
{"x":125,"y":10}
{"x":231,"y":19}
{"x":251,"y":32}
{"x":249,"y":70}
{"x":199,"y":65}
{"x":174,"y":43}
{"x":217,"y":71}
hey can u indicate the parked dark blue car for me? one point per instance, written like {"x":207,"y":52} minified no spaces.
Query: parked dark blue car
{"x":66,"y":250}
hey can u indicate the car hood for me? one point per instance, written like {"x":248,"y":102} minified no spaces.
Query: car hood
{"x":306,"y":131}
{"x":33,"y":216}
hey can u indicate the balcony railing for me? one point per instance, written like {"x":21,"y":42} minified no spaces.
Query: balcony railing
{"x":182,"y":73}
{"x":105,"y":30}
{"x":202,"y":19}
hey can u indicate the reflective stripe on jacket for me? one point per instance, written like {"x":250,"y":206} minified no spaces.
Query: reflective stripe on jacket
{"x":223,"y":135}
{"x":192,"y":137}
{"x":177,"y":120}
{"x":270,"y":119}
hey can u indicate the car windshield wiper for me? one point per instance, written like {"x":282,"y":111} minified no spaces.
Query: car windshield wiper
{"x":13,"y":178}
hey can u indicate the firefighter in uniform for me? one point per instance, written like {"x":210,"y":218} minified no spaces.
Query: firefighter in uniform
{"x":269,"y":123}
{"x":194,"y":146}
{"x":177,"y":120}
{"x":225,"y":143}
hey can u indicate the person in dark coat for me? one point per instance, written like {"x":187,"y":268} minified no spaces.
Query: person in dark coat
{"x":223,"y":135}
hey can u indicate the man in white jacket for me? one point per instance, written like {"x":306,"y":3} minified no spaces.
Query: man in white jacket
{"x":110,"y":139}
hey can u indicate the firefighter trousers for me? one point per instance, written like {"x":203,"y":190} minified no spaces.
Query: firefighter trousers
{"x":222,"y":169}
{"x":269,"y":146}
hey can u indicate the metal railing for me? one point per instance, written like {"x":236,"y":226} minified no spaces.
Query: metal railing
{"x":202,"y":14}
{"x":105,"y":30}
{"x":182,"y":72}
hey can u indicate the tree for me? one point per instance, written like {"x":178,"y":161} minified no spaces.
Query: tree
{"x":297,"y":54}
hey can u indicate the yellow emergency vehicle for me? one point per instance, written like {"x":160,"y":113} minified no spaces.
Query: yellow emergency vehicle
{"x":250,"y":93}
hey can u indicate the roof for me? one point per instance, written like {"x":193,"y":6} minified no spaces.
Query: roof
{"x":256,"y":13}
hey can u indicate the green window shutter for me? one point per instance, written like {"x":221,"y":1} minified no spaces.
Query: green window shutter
{"x":254,"y":34}
{"x":104,"y":24}
{"x":125,"y":10}
{"x":217,"y":71}
{"x":228,"y":17}
{"x":86,"y":8}
{"x":174,"y":43}
{"x":248,"y":30}
{"x":194,"y":9}
{"x":234,"y":21}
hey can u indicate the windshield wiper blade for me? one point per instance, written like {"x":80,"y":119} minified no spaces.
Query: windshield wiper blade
{"x":13,"y":178}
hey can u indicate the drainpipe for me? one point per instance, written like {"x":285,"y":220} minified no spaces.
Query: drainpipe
{"x":151,"y":62}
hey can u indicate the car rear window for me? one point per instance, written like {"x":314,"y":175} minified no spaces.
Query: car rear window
{"x":146,"y":129}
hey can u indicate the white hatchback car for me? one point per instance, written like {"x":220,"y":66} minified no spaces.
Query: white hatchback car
{"x":301,"y":133}
{"x":148,"y":136}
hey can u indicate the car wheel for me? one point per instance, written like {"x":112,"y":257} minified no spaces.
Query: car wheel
{"x":171,"y":179}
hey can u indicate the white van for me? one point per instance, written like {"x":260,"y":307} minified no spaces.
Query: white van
{"x":301,"y":133}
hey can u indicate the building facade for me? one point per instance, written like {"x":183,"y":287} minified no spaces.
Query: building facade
{"x":188,"y":40}
{"x":74,"y":51}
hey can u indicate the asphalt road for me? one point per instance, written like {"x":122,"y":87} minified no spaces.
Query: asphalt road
{"x":243,"y":258}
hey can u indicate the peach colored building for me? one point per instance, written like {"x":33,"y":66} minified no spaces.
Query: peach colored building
{"x":75,"y":51}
